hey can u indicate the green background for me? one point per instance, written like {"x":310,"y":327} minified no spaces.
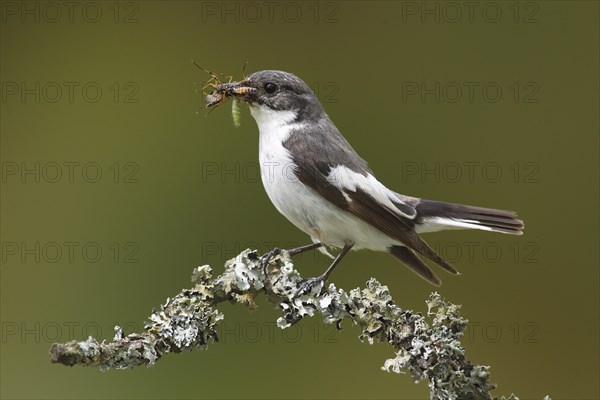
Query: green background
{"x":534,"y":308}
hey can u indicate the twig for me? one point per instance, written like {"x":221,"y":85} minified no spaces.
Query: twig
{"x":428,"y":347}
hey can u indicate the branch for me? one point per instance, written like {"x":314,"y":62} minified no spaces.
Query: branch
{"x":431,"y":350}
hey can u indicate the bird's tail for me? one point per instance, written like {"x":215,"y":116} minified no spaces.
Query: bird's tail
{"x":437,"y":215}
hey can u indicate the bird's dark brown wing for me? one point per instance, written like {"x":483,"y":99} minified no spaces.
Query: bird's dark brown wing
{"x":314,"y":174}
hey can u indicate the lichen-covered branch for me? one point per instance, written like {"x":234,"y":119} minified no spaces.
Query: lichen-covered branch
{"x":427,"y":346}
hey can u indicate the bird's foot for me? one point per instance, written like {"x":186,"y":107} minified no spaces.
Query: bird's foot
{"x":266,"y":258}
{"x":308,"y":284}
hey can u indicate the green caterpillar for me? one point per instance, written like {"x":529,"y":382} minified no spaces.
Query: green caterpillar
{"x":236,"y":112}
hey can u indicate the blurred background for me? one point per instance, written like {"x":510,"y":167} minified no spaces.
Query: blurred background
{"x":116,"y":184}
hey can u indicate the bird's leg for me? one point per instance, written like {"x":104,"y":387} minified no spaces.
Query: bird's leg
{"x":302,"y":249}
{"x":309,"y":282}
{"x":335,"y":262}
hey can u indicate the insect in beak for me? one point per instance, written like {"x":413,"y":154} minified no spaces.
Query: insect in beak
{"x":222,"y":91}
{"x":240,"y":88}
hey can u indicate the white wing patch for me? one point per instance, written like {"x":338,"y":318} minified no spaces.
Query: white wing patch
{"x":344,"y":178}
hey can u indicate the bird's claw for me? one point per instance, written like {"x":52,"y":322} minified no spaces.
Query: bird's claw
{"x":266,"y":258}
{"x":306,"y":285}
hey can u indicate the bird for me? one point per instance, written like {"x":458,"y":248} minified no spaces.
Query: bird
{"x":314,"y":177}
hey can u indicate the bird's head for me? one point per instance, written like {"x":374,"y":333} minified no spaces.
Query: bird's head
{"x":273,"y":91}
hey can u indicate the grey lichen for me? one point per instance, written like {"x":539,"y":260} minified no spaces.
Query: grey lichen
{"x":426,"y":346}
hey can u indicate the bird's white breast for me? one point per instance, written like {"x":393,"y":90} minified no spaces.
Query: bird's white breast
{"x":304,"y":207}
{"x":277,"y":169}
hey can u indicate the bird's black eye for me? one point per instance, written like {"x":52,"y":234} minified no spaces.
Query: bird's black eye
{"x":270,"y":88}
